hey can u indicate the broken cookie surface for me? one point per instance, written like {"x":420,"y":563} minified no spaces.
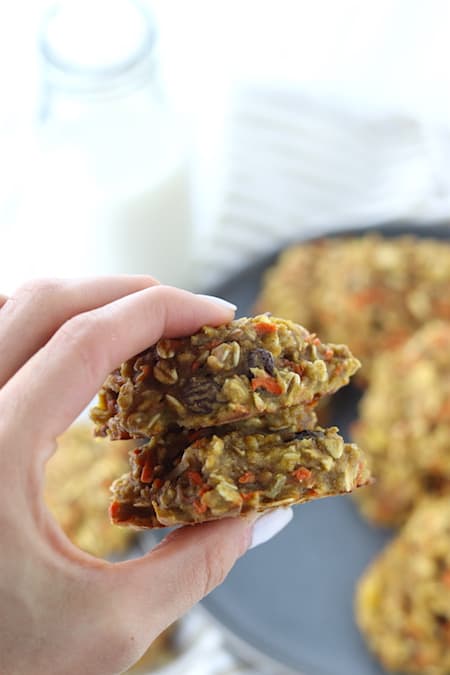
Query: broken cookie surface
{"x":175,"y":480}
{"x":248,"y":368}
{"x":227,"y":425}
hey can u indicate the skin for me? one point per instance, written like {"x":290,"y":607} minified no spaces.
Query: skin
{"x":63,"y":611}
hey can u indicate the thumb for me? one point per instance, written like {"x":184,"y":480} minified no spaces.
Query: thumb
{"x":187,"y":565}
{"x":152,"y":592}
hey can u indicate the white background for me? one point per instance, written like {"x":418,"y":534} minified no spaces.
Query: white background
{"x":391,"y":56}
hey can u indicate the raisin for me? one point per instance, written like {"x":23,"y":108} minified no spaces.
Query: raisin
{"x":301,"y":435}
{"x":200,"y":395}
{"x":261,"y":358}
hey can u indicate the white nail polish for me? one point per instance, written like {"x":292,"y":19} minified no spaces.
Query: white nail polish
{"x":219,"y":301}
{"x":269,"y":524}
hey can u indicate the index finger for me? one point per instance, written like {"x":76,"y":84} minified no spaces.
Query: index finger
{"x":58,"y":382}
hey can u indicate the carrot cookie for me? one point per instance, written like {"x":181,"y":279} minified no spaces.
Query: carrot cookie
{"x":404,"y":426}
{"x":403,"y":599}
{"x":176,"y":480}
{"x":77,"y":493}
{"x":248,"y":368}
{"x":370,"y":292}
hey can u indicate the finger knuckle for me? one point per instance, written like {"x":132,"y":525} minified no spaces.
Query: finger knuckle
{"x":213,"y":568}
{"x":39,"y":290}
{"x":79,"y":337}
{"x":80,"y":329}
{"x":157,"y":309}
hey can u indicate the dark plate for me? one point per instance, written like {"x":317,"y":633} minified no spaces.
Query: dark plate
{"x":291,"y":600}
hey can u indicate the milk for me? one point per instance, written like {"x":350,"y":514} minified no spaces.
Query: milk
{"x":148,"y":231}
{"x":108,"y":184}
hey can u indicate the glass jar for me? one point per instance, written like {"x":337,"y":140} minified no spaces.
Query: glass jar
{"x":111,"y":184}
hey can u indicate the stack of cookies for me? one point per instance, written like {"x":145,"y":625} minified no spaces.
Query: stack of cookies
{"x":226,"y":425}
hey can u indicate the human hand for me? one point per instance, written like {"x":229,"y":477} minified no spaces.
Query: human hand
{"x":63,"y":611}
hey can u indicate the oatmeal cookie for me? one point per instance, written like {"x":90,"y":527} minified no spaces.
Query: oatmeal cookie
{"x":370,"y":292}
{"x":250,"y":367}
{"x":77,"y":493}
{"x":403,"y":599}
{"x":404,"y":426}
{"x":177,"y":480}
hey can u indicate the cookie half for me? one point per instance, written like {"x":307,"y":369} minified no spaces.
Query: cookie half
{"x":186,"y":478}
{"x":248,"y":368}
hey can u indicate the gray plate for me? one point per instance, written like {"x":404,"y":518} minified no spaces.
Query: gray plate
{"x":292,"y":599}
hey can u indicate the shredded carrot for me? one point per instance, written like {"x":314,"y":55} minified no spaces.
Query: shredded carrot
{"x":444,"y":412}
{"x":195,"y":477}
{"x":117,"y":513}
{"x":359,"y":475}
{"x":247,"y":495}
{"x":312,"y":493}
{"x":199,"y":506}
{"x":158,"y":483}
{"x":314,"y":401}
{"x":147,"y":470}
{"x":312,"y":339}
{"x":422,"y":660}
{"x":446,"y":629}
{"x":441,"y":308}
{"x":395,"y":338}
{"x":267,"y":383}
{"x":445,"y":578}
{"x":368,"y":296}
{"x":212,"y":344}
{"x":247,"y":477}
{"x":200,"y":442}
{"x":296,"y":367}
{"x":195,"y":365}
{"x":302,"y":473}
{"x":204,"y":489}
{"x":265,"y":327}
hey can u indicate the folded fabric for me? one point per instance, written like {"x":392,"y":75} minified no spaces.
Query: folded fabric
{"x":297,"y":163}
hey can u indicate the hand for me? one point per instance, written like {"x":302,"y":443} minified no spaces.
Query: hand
{"x":63,"y":611}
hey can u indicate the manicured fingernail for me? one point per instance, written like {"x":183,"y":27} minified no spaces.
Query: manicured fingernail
{"x":219,"y":301}
{"x":269,"y":524}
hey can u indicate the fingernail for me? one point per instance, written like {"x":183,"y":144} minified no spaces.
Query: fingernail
{"x":219,"y":301}
{"x":269,"y":524}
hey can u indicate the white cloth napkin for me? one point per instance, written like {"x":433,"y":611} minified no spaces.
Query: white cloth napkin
{"x":297,"y":162}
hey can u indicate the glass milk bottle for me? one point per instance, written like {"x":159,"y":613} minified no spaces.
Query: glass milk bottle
{"x":111,"y":193}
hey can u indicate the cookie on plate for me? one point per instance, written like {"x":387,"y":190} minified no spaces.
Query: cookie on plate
{"x":403,"y":599}
{"x":404,"y":426}
{"x":370,"y":292}
{"x":77,"y":493}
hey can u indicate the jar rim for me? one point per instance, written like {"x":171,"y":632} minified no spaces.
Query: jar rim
{"x":68,"y":74}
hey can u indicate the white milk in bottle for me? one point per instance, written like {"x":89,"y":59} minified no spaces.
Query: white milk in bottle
{"x":111,"y":188}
